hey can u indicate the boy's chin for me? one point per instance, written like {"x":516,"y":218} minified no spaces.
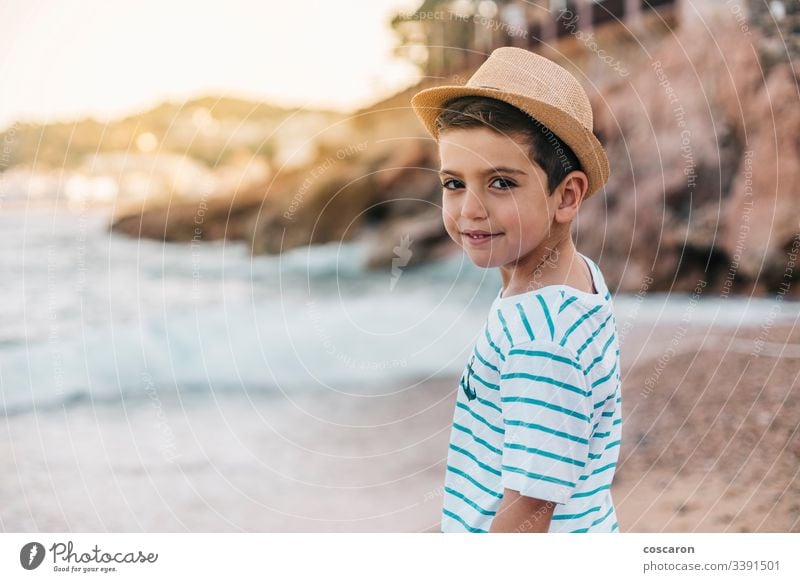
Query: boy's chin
{"x":483,"y":259}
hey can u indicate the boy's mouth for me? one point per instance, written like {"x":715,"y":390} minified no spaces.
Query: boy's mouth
{"x":476,"y":236}
{"x":479,"y":233}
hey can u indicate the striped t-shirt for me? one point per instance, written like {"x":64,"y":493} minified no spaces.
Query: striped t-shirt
{"x":539,"y":411}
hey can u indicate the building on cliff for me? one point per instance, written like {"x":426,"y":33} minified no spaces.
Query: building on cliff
{"x":451,"y":36}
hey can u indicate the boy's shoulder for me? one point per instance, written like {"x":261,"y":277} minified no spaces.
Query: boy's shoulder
{"x":558,"y":318}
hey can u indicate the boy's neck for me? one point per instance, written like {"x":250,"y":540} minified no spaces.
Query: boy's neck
{"x":552,"y":263}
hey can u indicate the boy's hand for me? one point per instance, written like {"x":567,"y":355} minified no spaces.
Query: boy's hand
{"x":520,"y":514}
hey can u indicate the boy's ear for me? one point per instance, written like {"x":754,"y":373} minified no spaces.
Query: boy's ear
{"x":571,"y":192}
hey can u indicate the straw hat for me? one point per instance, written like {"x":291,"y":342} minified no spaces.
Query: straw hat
{"x":540,"y":88}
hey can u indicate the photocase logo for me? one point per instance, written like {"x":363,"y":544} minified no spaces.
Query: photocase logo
{"x":403,"y":255}
{"x":31,"y":555}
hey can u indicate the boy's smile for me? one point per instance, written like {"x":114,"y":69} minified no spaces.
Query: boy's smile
{"x":494,"y":200}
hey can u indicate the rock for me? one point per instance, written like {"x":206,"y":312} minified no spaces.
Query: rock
{"x":682,"y":137}
{"x":762,"y":213}
{"x":212,"y":219}
{"x":410,"y":241}
{"x":330,"y":208}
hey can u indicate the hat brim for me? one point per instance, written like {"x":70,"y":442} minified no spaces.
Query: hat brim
{"x":428,"y":103}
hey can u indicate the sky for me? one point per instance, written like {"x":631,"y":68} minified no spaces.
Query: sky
{"x":64,"y":59}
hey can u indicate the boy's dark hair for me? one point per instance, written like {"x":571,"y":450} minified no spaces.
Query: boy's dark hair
{"x":545,"y":148}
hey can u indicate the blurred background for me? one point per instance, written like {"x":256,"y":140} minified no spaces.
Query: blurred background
{"x":229,"y":303}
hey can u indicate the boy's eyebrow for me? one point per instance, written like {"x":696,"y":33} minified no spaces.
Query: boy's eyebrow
{"x":493,"y":170}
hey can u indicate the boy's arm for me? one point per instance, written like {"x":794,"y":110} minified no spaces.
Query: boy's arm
{"x":520,"y":514}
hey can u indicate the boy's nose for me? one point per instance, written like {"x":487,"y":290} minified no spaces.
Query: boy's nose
{"x":473,"y":206}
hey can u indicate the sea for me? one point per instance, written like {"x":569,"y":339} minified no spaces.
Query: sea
{"x":88,"y":316}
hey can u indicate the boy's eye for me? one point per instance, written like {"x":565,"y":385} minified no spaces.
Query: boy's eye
{"x":452,"y":184}
{"x":504,"y":184}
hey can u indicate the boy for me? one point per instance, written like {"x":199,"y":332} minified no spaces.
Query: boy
{"x":536,"y":430}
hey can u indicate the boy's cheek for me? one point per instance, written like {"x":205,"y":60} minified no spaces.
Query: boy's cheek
{"x":454,"y":235}
{"x":449,"y":215}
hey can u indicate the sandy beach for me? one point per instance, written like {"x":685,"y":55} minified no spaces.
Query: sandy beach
{"x":711,"y":446}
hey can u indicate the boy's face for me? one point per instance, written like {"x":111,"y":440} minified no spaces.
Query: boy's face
{"x":490,"y":184}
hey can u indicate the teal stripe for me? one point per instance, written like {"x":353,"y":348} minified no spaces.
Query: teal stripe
{"x":601,"y":435}
{"x":505,"y":328}
{"x":484,"y":382}
{"x":462,"y":522}
{"x":469,"y":455}
{"x":567,"y":303}
{"x":544,"y":404}
{"x":525,"y":321}
{"x":483,"y":361}
{"x":596,"y":471}
{"x":605,"y":378}
{"x":544,"y":454}
{"x":600,"y":520}
{"x":607,"y":398}
{"x":473,"y":481}
{"x":469,"y":502}
{"x":547,"y":430}
{"x":615,"y":526}
{"x":601,"y":356}
{"x":478,"y":417}
{"x":477,"y":439}
{"x":491,"y":405}
{"x":576,"y":515}
{"x":616,"y":422}
{"x":608,"y":414}
{"x":537,"y":476}
{"x":590,"y":339}
{"x":612,"y":445}
{"x":544,"y":354}
{"x":545,"y":379}
{"x":582,"y":530}
{"x":595,"y":456}
{"x":575,"y":325}
{"x":592,"y":492}
{"x":547,"y":315}
{"x":493,"y":345}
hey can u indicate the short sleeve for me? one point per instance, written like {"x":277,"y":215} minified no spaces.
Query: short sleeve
{"x":547,"y":417}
